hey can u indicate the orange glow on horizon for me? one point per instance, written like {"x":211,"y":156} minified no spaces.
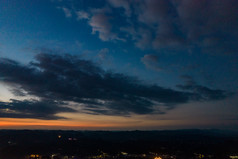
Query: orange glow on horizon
{"x":92,"y":122}
{"x":37,"y":123}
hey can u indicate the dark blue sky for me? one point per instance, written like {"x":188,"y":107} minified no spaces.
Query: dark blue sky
{"x":152,"y":63}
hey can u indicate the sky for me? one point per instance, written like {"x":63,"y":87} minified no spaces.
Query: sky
{"x":119,"y":64}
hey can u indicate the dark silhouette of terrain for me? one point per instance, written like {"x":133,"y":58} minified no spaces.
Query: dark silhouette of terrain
{"x":16,"y":144}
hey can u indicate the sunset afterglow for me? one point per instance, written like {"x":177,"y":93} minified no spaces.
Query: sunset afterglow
{"x":118,"y":64}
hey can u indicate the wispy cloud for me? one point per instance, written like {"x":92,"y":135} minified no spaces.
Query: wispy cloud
{"x":67,"y":11}
{"x":39,"y":109}
{"x":82,"y":15}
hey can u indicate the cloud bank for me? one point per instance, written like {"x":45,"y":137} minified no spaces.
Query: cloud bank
{"x":60,"y":79}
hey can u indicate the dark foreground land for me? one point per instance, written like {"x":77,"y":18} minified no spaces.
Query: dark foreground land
{"x":179,"y":144}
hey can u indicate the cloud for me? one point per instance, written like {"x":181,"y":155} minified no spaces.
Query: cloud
{"x":122,"y":3}
{"x":40,"y":109}
{"x":82,"y":15}
{"x":207,"y":26}
{"x":161,"y":17}
{"x":143,"y":39}
{"x":100,"y":23}
{"x":151,"y":62}
{"x":210,"y":25}
{"x":103,"y":54}
{"x":105,"y":58}
{"x":67,"y":78}
{"x":153,"y":11}
{"x":67,"y":12}
{"x":202,"y":93}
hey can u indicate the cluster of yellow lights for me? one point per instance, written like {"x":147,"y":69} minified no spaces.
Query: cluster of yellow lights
{"x":34,"y":155}
{"x":157,"y":158}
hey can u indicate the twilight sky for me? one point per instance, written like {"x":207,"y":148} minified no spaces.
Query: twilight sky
{"x":118,"y":64}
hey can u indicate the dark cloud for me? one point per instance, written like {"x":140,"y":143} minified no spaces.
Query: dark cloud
{"x":143,"y":38}
{"x":45,"y":109}
{"x":151,"y":62}
{"x":161,"y":16}
{"x":210,"y":25}
{"x":66,"y":78}
{"x":202,"y":93}
{"x":121,"y":4}
{"x":207,"y":26}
